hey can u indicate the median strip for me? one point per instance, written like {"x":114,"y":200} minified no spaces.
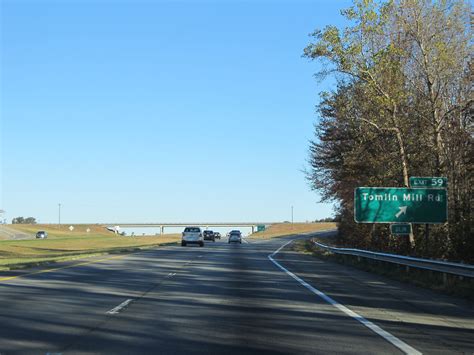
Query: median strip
{"x":59,"y":268}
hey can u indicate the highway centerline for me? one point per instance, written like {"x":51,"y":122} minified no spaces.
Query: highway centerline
{"x":407,"y":349}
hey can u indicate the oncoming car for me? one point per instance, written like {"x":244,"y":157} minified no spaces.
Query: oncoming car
{"x":192,"y":235}
{"x":235,"y":237}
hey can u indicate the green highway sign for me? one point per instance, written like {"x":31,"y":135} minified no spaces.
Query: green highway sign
{"x":260,"y":228}
{"x":400,"y":228}
{"x":402,"y":205}
{"x":420,"y":181}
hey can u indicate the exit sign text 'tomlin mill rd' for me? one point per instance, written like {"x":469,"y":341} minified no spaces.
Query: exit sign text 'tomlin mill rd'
{"x":391,"y":205}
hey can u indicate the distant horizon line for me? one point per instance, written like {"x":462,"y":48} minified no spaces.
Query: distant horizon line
{"x":166,"y":223}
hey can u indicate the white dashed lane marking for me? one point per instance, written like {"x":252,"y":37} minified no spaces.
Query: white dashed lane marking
{"x":120,"y":307}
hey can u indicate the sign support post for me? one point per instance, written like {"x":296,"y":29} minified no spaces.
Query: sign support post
{"x":427,"y":236}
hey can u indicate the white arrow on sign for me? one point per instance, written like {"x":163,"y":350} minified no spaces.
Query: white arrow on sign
{"x":403,"y":210}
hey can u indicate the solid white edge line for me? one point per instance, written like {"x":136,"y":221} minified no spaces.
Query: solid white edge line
{"x":407,"y":349}
{"x":121,"y":306}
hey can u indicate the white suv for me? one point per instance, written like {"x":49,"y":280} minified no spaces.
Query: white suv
{"x":192,"y":235}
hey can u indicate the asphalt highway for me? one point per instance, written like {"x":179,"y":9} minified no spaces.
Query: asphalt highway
{"x":224,"y":299}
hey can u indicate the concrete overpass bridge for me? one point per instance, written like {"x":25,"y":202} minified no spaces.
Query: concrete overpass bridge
{"x":162,"y":226}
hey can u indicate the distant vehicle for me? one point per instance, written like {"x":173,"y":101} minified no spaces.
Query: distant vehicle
{"x":192,"y":235}
{"x":209,"y":235}
{"x":217,"y":235}
{"x":41,"y":235}
{"x":115,"y":229}
{"x":235,"y":237}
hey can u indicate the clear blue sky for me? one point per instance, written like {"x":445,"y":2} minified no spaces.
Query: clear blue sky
{"x":159,"y":110}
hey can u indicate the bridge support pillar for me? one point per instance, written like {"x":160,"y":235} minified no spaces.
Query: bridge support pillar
{"x":162,"y":230}
{"x":253,"y":229}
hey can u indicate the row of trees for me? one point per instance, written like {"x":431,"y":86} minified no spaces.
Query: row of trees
{"x":327,"y":219}
{"x":23,"y":220}
{"x":403,"y":107}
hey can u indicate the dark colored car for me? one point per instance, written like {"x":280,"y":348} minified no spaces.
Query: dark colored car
{"x":235,"y":236}
{"x":41,"y":235}
{"x":209,"y":235}
{"x":217,"y":235}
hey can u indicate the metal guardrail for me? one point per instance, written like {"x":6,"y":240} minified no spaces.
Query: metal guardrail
{"x":457,"y":269}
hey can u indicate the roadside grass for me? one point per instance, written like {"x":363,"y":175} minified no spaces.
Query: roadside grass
{"x":302,"y":246}
{"x":285,"y":229}
{"x":62,"y":245}
{"x":449,"y":284}
{"x":54,"y":231}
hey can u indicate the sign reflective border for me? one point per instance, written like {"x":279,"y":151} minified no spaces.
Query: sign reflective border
{"x":405,"y":205}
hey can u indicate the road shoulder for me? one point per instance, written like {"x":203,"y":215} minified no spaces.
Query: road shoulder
{"x":422,"y":318}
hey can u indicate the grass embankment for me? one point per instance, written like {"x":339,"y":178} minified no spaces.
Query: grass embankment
{"x":62,"y":244}
{"x":285,"y":229}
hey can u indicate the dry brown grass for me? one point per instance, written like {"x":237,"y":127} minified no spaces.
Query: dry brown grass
{"x":285,"y":229}
{"x":54,"y":231}
{"x":62,"y":244}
